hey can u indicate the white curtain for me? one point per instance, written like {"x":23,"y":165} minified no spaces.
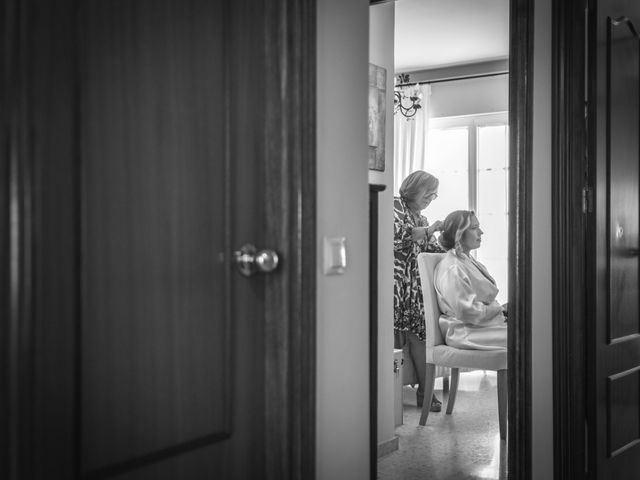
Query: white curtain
{"x":410,"y":139}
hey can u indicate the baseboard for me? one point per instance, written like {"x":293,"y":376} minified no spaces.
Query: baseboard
{"x":388,"y":446}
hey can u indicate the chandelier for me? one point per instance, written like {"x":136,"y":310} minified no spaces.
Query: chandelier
{"x":406,"y":100}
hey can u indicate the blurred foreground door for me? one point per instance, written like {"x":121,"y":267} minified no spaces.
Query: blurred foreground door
{"x":151,"y":143}
{"x":159,"y":377}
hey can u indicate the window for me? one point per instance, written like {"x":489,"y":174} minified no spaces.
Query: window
{"x":470,"y":157}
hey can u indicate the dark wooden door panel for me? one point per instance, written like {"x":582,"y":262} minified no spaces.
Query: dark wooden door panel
{"x":623,"y":391}
{"x":616,"y":435}
{"x":149,"y":138}
{"x":622,"y":161}
{"x":156,"y":386}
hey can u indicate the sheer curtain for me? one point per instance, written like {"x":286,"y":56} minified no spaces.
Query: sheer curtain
{"x":410,"y":139}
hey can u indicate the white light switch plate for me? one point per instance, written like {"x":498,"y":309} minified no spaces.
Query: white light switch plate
{"x":335,"y":255}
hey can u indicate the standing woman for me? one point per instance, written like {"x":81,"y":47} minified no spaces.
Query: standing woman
{"x":413,"y":235}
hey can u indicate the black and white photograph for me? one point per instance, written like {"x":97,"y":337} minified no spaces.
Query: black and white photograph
{"x":320,"y":240}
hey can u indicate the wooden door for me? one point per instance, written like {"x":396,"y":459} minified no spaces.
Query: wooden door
{"x":614,"y":351}
{"x":151,"y":139}
{"x":161,"y":304}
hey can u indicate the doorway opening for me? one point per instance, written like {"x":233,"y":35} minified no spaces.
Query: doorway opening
{"x":504,"y":210}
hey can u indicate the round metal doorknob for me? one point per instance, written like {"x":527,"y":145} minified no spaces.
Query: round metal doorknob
{"x":251,"y":261}
{"x":266,"y":260}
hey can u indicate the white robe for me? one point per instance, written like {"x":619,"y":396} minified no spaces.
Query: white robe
{"x":471,"y":317}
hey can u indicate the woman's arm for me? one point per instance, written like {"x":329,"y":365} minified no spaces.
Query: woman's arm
{"x":457,"y":292}
{"x":402,"y":228}
{"x":432,"y":244}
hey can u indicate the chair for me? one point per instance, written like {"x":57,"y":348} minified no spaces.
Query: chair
{"x":440,"y":354}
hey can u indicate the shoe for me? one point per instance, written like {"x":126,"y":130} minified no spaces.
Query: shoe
{"x":436,"y":405}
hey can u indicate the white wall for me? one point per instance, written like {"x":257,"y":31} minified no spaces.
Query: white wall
{"x":542,"y":388}
{"x":469,"y":97}
{"x":342,"y":438}
{"x":381,"y":45}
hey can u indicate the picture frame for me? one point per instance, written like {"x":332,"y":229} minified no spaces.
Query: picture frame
{"x":377,"y":116}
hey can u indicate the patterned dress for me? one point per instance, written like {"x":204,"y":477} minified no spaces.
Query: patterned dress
{"x":408,"y":311}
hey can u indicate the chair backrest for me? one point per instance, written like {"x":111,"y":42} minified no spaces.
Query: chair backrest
{"x":426,"y":266}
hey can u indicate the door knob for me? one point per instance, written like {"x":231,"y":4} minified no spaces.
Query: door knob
{"x":251,"y":261}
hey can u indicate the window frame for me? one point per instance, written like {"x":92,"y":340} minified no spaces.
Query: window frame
{"x":472,"y":122}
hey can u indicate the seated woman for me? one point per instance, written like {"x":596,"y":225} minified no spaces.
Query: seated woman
{"x":471,"y":317}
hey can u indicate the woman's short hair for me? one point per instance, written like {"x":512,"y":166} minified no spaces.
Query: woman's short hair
{"x":416,"y":183}
{"x":454,"y":227}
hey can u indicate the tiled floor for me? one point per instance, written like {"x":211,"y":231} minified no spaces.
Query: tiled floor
{"x":463,"y":445}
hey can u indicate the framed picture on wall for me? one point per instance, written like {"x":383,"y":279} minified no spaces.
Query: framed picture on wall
{"x":377,"y":114}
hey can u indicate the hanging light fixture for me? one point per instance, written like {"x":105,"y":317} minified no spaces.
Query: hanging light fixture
{"x":406,"y":100}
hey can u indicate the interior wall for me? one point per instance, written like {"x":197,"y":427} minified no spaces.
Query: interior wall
{"x":342,"y":422}
{"x":469,"y":97}
{"x":541,"y":341}
{"x":381,"y":47}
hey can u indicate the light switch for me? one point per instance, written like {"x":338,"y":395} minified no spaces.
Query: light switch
{"x":335,"y":255}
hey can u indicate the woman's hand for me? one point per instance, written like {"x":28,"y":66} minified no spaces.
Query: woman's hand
{"x":418,"y":233}
{"x":434,"y":227}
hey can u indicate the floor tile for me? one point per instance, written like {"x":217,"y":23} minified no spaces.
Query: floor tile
{"x":463,"y":445}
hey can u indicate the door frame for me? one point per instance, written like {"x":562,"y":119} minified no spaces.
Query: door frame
{"x":15,"y":240}
{"x":291,"y":208}
{"x":290,"y":306}
{"x":520,"y":173}
{"x":570,"y":217}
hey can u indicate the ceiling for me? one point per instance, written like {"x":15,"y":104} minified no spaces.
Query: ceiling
{"x":442,"y":33}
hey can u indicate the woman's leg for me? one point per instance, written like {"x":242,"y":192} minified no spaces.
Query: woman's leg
{"x":419,"y":359}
